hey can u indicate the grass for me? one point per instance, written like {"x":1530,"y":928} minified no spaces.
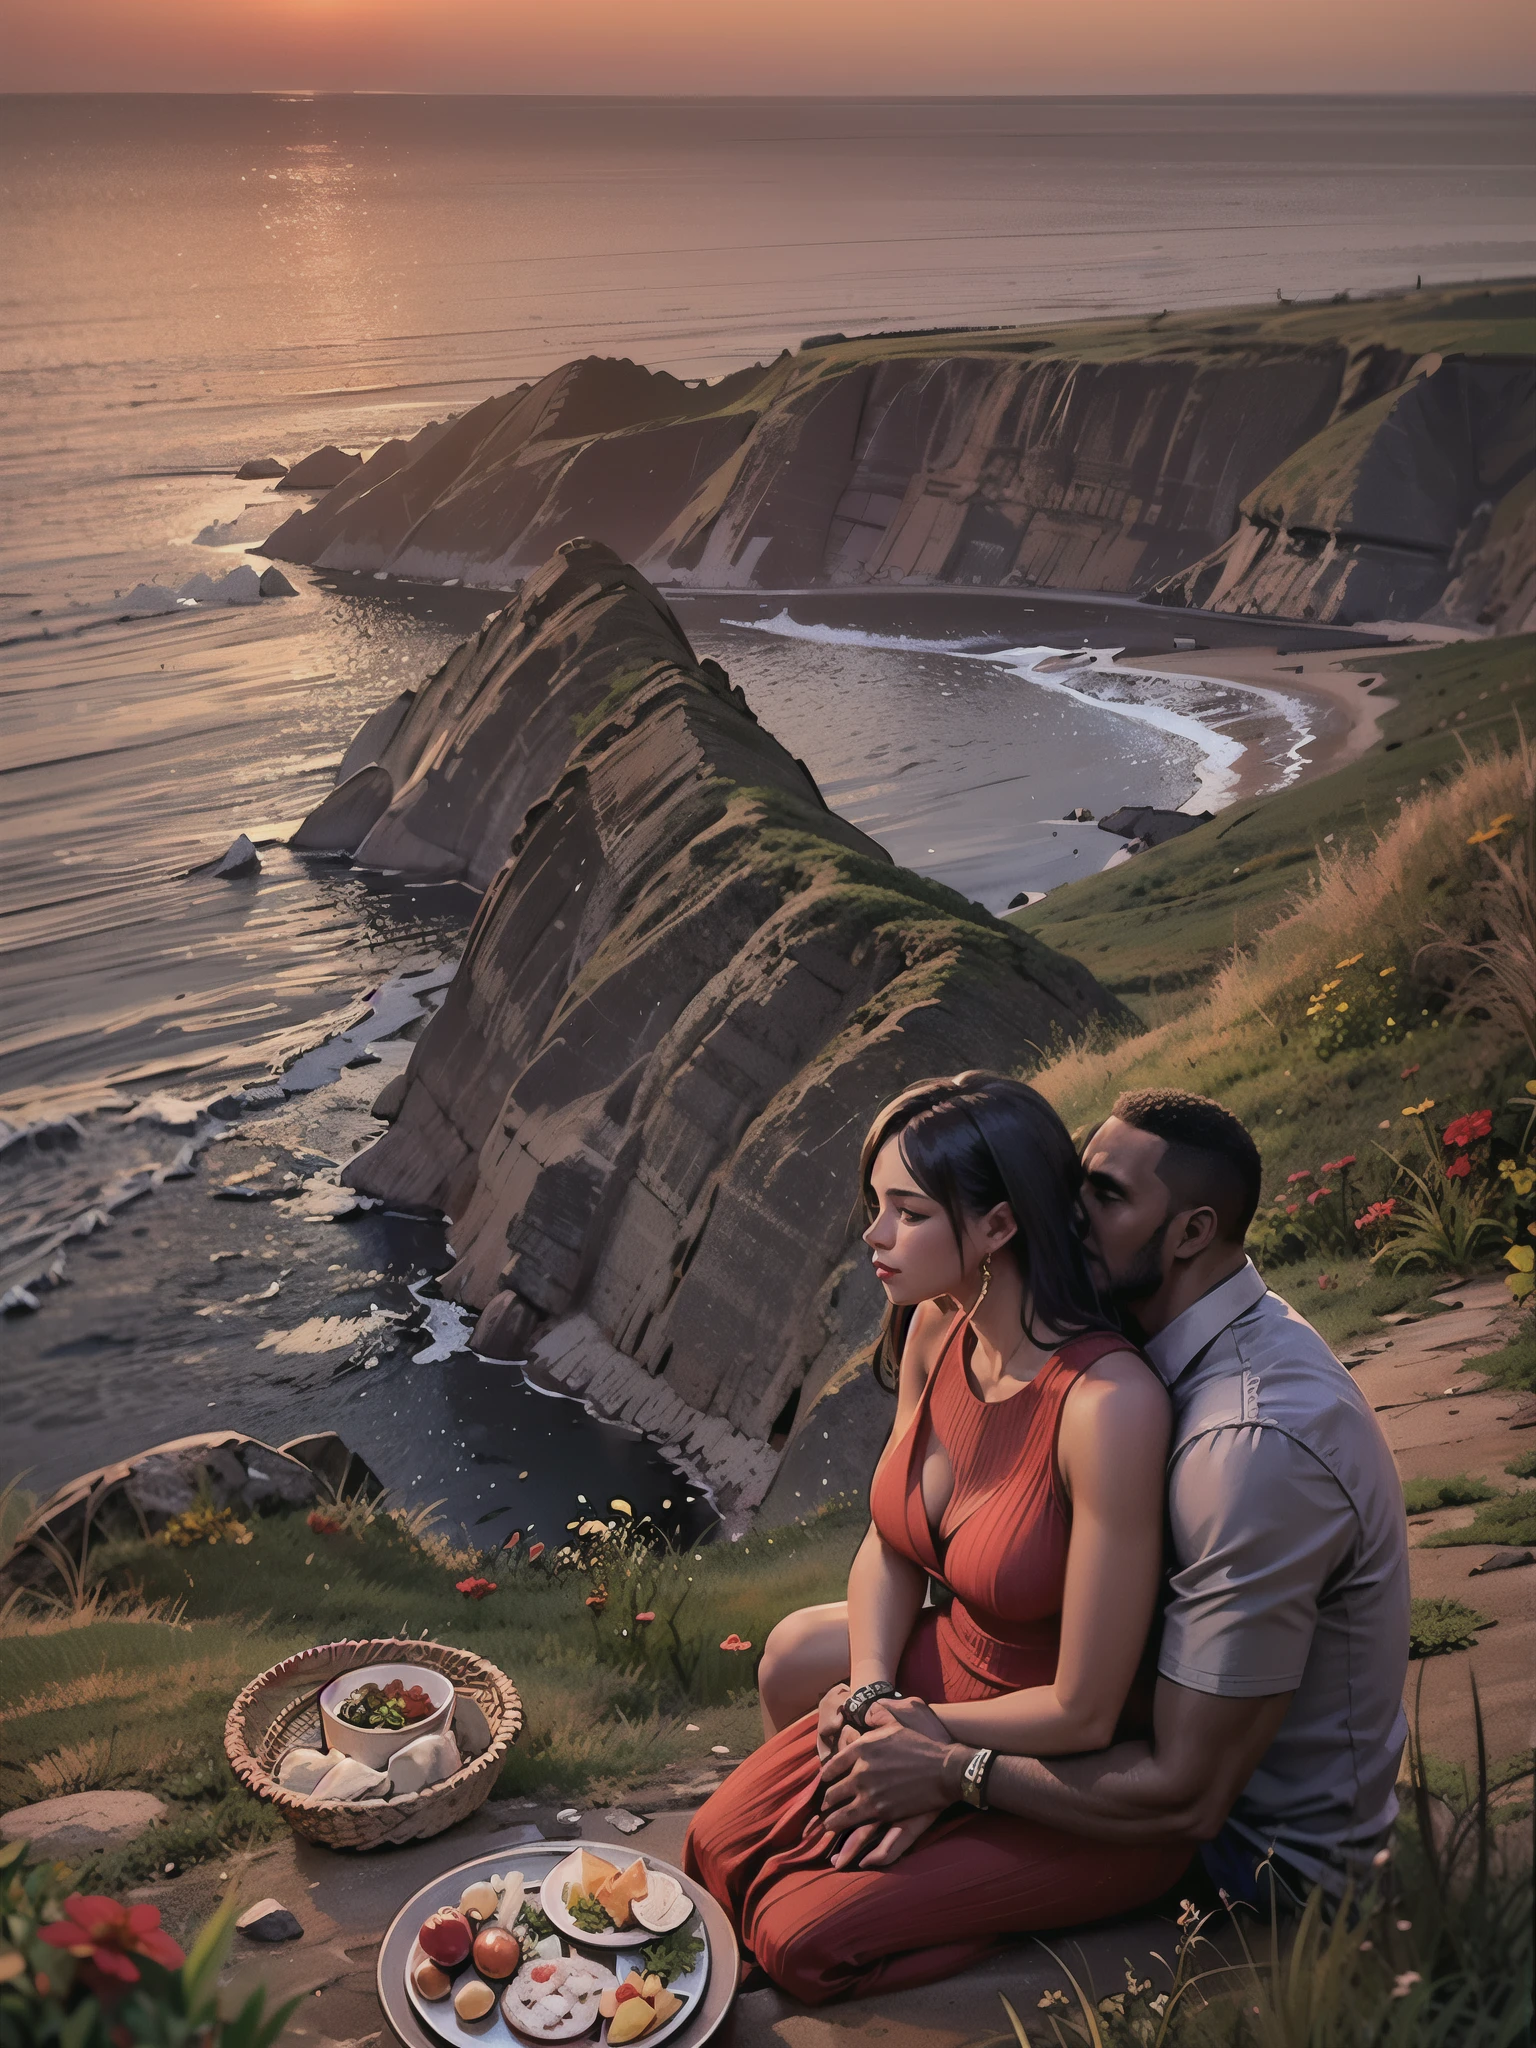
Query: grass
{"x":1423,"y":1496}
{"x":1438,"y":1626}
{"x":1253,"y":1036}
{"x":1434,"y":1951}
{"x":137,"y":1697}
{"x":1523,"y":1467}
{"x":1509,"y":1518}
{"x":1513,"y":1365}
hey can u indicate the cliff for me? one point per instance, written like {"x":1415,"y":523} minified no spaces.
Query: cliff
{"x":1331,"y":462}
{"x":688,"y":988}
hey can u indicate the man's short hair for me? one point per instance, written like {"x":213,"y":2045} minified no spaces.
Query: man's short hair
{"x":1211,"y":1161}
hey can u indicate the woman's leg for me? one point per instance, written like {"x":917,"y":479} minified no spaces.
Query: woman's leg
{"x":805,"y":1654}
{"x":823,"y":1934}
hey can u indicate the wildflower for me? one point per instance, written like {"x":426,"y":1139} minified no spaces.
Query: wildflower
{"x":1407,"y":1074}
{"x":642,"y":1619}
{"x":535,"y":1552}
{"x":1158,"y":2003}
{"x":1338,"y":1165}
{"x":593,"y":1529}
{"x":734,"y":1642}
{"x":1317,"y":1195}
{"x":1189,"y":1912}
{"x":474,"y":1589}
{"x":1521,"y":1282}
{"x":1326,"y":1280}
{"x":1378,"y":1212}
{"x":1293,"y":1208}
{"x":1530,"y":1087}
{"x":1292,"y":1178}
{"x":1521,"y":1178}
{"x":599,"y":1599}
{"x":513,"y":1540}
{"x":1353,"y":960}
{"x":322,"y":1523}
{"x":1384,"y":972}
{"x":1340,"y":1008}
{"x":1459,"y":1167}
{"x":1053,"y":1998}
{"x":107,"y":1936}
{"x":1491,"y":831}
{"x":1418,"y":1108}
{"x":1465,"y":1129}
{"x":621,"y":1507}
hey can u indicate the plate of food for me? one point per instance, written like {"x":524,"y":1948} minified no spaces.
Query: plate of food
{"x":474,"y":1961}
{"x":612,"y":1905}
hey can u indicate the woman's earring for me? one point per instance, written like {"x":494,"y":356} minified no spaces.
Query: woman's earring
{"x":986,"y":1282}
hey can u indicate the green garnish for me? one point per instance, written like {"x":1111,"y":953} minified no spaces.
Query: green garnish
{"x":672,"y":1955}
{"x":537,"y":1922}
{"x":590,"y":1917}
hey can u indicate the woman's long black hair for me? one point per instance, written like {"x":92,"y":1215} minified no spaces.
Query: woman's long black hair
{"x":970,"y":1142}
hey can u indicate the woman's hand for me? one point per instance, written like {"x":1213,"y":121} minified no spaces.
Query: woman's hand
{"x":895,"y":1772}
{"x":877,"y":1847}
{"x":829,"y":1720}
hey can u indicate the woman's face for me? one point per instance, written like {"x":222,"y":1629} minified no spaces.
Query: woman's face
{"x":915,"y":1254}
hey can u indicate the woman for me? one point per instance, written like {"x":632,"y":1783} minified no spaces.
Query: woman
{"x":1024,"y":1478}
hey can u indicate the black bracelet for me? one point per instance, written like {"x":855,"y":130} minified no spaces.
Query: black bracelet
{"x":857,"y":1705}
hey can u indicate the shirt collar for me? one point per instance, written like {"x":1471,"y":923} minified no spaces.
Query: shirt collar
{"x":1188,"y":1334}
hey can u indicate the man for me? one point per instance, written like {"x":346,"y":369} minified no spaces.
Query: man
{"x":1278,"y":1722}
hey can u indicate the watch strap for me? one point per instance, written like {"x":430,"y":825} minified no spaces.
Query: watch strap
{"x":973,"y":1779}
{"x":858,"y":1703}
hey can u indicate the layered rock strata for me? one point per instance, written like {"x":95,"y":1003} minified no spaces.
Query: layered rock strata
{"x":1329,"y":463}
{"x":688,"y":988}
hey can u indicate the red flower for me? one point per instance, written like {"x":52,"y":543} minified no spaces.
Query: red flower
{"x":1466,"y":1128}
{"x":1459,"y":1167}
{"x":1407,"y":1074}
{"x":107,"y":1936}
{"x":1378,"y":1212}
{"x":599,"y":1599}
{"x":640,"y":1619}
{"x":1338,"y":1165}
{"x":323,"y":1524}
{"x":535,"y":1551}
{"x":513,"y":1540}
{"x":1292,"y":1178}
{"x":474,"y":1589}
{"x":1293,"y":1208}
{"x":1317,"y":1195}
{"x":734,"y":1642}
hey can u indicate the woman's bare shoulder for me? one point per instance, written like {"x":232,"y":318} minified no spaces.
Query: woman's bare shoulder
{"x":1123,"y":1384}
{"x":930,"y":1325}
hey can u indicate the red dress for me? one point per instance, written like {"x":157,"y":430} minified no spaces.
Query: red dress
{"x":1001,"y":1549}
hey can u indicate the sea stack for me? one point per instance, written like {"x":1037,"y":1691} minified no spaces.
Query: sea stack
{"x":689,"y":987}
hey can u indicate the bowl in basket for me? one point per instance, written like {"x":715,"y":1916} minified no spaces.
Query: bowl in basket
{"x":375,"y":1746}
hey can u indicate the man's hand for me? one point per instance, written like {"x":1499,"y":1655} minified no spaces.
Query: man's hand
{"x":829,"y":1720}
{"x":894,"y":1772}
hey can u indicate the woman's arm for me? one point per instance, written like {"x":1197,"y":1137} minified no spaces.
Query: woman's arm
{"x":1113,"y":1448}
{"x":885,"y":1590}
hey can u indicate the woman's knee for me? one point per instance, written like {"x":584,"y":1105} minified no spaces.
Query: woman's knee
{"x":805,"y":1653}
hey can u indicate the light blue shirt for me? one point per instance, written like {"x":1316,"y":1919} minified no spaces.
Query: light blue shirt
{"x":1290,"y":1568}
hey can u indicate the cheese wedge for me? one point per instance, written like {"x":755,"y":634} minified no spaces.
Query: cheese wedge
{"x":633,"y":2018}
{"x":621,"y":1891}
{"x":595,"y":1873}
{"x":665,"y":2003}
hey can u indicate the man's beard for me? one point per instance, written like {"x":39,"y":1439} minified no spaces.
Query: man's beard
{"x":1144,"y":1275}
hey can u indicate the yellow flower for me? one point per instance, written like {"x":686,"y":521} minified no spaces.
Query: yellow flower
{"x":1491,"y":831}
{"x":1522,"y":1281}
{"x":1385,"y":971}
{"x":1340,"y":1008}
{"x":1521,"y":1257}
{"x":1418,"y":1108}
{"x":1353,"y":960}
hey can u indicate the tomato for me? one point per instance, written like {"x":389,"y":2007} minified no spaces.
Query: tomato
{"x":446,"y":1936}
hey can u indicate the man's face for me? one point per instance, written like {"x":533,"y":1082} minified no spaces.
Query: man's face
{"x":1129,"y":1208}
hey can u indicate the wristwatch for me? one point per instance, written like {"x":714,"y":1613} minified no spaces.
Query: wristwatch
{"x":857,"y":1705}
{"x":973,"y":1779}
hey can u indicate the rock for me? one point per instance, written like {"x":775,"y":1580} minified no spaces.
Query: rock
{"x":689,"y":987}
{"x":239,"y":859}
{"x":322,"y":471}
{"x":343,"y":819}
{"x":1081,"y":816}
{"x":1152,"y":827}
{"x":148,"y":597}
{"x":1502,"y":1561}
{"x":1025,"y":897}
{"x":339,"y":1469}
{"x":169,"y":1110}
{"x":241,"y":586}
{"x":18,"y":1301}
{"x":257,"y":466}
{"x":273,"y":583}
{"x":269,"y":1920}
{"x":144,"y":1491}
{"x":198,"y":589}
{"x":1184,"y":646}
{"x":81,"y":1824}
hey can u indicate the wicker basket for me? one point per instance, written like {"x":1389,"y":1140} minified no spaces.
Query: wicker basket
{"x":282,"y":1708}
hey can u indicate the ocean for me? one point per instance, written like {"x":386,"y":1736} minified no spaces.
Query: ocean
{"x":192,"y":281}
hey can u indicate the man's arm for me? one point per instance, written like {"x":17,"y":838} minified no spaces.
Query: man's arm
{"x":1180,"y":1787}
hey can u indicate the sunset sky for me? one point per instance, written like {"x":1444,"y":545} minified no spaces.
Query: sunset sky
{"x":788,"y":46}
